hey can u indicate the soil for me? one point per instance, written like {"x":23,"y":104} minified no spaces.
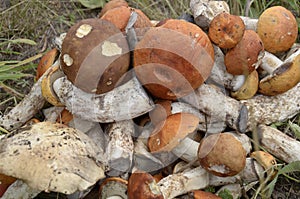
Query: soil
{"x":61,"y":13}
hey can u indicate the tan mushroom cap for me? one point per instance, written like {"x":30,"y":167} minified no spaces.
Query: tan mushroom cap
{"x":46,"y":61}
{"x":111,"y":5}
{"x":282,"y":79}
{"x":95,"y":55}
{"x":173,"y":59}
{"x":143,"y":185}
{"x":222,"y":155}
{"x":226,"y":30}
{"x":249,"y":88}
{"x":246,"y":55}
{"x":113,"y":186}
{"x":277,"y":28}
{"x":266,"y":160}
{"x":47,"y":88}
{"x":170,"y":132}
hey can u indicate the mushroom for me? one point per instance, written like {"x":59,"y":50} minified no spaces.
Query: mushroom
{"x":119,"y":150}
{"x":277,"y":27}
{"x":46,"y":61}
{"x":250,"y":23}
{"x":223,"y":109}
{"x":143,"y":185}
{"x":198,"y":194}
{"x":249,"y":87}
{"x":107,"y":107}
{"x":5,"y":182}
{"x":173,"y":59}
{"x":267,"y":161}
{"x":120,"y":16}
{"x":246,"y":56}
{"x":47,"y":84}
{"x":205,"y":10}
{"x":279,"y":144}
{"x":94,"y":55}
{"x":226,"y":30}
{"x":20,"y":189}
{"x":169,"y":133}
{"x":283,"y":78}
{"x":64,"y":159}
{"x":111,"y":5}
{"x":113,"y":188}
{"x":180,"y":183}
{"x":222,"y":154}
{"x":235,"y":190}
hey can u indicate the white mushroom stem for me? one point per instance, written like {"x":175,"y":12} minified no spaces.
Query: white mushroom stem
{"x":250,"y":24}
{"x":218,"y":107}
{"x":221,"y":77}
{"x":198,"y":178}
{"x":269,"y":109}
{"x":279,"y":144}
{"x":119,"y":151}
{"x":122,"y":103}
{"x":181,"y":183}
{"x":205,"y":10}
{"x":270,"y":62}
{"x":52,"y":113}
{"x":20,"y":189}
{"x":28,"y":107}
{"x":143,"y":159}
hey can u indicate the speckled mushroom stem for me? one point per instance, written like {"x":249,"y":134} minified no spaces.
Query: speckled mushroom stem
{"x":198,"y":178}
{"x":279,"y":144}
{"x":219,"y":107}
{"x":120,"y":147}
{"x":28,"y":107}
{"x":122,"y":103}
{"x":269,"y":109}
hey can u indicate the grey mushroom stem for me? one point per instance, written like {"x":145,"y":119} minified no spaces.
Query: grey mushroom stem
{"x":270,"y":62}
{"x":119,"y":150}
{"x":279,"y":144}
{"x":122,"y":103}
{"x":250,"y":23}
{"x":28,"y":107}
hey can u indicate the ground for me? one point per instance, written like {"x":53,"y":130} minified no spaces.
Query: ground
{"x":41,"y":21}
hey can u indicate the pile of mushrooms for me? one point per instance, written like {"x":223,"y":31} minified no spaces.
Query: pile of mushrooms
{"x":146,"y":109}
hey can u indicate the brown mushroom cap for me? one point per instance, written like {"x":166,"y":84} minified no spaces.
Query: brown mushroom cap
{"x":113,"y":186}
{"x":222,"y":155}
{"x":277,"y":28}
{"x":198,"y":194}
{"x":246,"y":55}
{"x":143,"y":185}
{"x":111,"y":5}
{"x":173,"y":59}
{"x":170,"y":132}
{"x":282,"y":78}
{"x":95,"y":55}
{"x":226,"y":30}
{"x":119,"y":16}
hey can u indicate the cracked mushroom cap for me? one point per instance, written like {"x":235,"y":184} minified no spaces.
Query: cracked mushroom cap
{"x":283,"y":78}
{"x":246,"y":56}
{"x":222,"y":154}
{"x":169,"y":133}
{"x":95,"y":55}
{"x":173,"y":59}
{"x":226,"y":30}
{"x":277,"y":27}
{"x":143,"y":185}
{"x":51,"y":157}
{"x":111,"y":5}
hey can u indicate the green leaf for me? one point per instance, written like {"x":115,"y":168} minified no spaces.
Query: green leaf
{"x":23,"y":41}
{"x":295,"y":128}
{"x":93,"y":3}
{"x":225,"y":194}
